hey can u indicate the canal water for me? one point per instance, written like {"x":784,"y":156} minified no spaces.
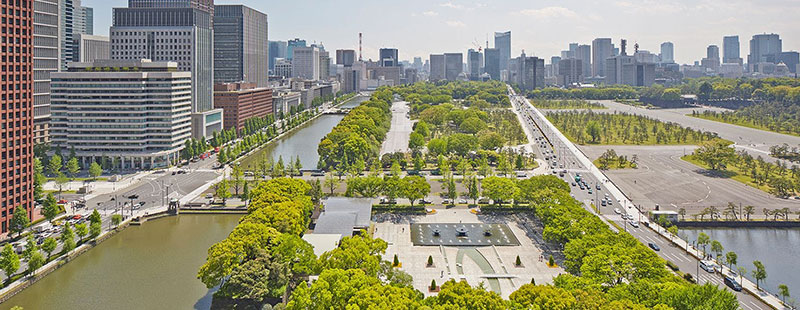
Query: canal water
{"x":153,"y":266}
{"x":301,"y":142}
{"x":778,"y":249}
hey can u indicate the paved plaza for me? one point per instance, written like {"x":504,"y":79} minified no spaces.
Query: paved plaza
{"x":494,"y":265}
{"x":458,"y":234}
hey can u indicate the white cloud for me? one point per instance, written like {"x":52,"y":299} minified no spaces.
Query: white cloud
{"x":654,"y":7}
{"x":430,"y":13}
{"x":455,"y":23}
{"x":550,"y":12}
{"x":452,"y":5}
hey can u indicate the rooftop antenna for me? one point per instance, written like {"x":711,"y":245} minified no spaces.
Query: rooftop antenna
{"x":360,"y":55}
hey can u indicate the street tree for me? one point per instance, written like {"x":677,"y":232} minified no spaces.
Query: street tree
{"x":783,"y":291}
{"x":223,"y":191}
{"x":50,"y":207}
{"x":30,"y":247}
{"x":742,"y":271}
{"x":61,"y":180}
{"x":81,"y":230}
{"x":72,"y":167}
{"x":331,"y":182}
{"x":472,"y":189}
{"x":49,"y":245}
{"x":35,"y":262}
{"x":452,"y":193}
{"x":95,"y":229}
{"x":593,"y":130}
{"x":760,"y":273}
{"x":498,"y":189}
{"x":95,"y":170}
{"x":703,"y":240}
{"x":116,"y":219}
{"x":9,"y":261}
{"x":415,"y":188}
{"x":717,"y":154}
{"x":55,"y":165}
{"x":19,"y":221}
{"x":717,"y":248}
{"x":236,"y":176}
{"x":731,"y":258}
{"x":95,"y":217}
{"x":67,"y":239}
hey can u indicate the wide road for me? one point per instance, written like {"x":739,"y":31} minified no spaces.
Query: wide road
{"x":397,"y":137}
{"x":574,"y":162}
{"x":754,"y":141}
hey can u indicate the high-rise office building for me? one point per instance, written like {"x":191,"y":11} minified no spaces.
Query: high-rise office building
{"x":45,"y":61}
{"x":16,"y":96}
{"x":570,"y":71}
{"x":601,"y":50}
{"x":306,"y":62}
{"x":389,"y":57}
{"x":584,"y":53}
{"x":88,"y":20}
{"x":762,"y":46}
{"x":417,"y":64}
{"x":324,"y":64}
{"x":241,"y":46}
{"x":474,"y":64}
{"x":627,"y":70}
{"x":291,"y":45}
{"x":502,"y":42}
{"x":89,"y":48}
{"x":437,"y":63}
{"x":283,"y":68}
{"x":72,"y":21}
{"x":179,"y":31}
{"x":730,"y":50}
{"x":790,"y":59}
{"x":529,"y":71}
{"x":554,"y":62}
{"x":454,"y":65}
{"x":667,"y":53}
{"x":277,"y":49}
{"x":345,"y":57}
{"x":492,"y":62}
{"x":139,"y":118}
{"x":712,"y":52}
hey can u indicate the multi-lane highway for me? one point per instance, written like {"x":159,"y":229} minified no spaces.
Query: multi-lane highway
{"x":567,"y":157}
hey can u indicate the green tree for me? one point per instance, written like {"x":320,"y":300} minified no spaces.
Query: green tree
{"x":783,"y":291}
{"x":760,"y":273}
{"x":452,"y":193}
{"x":72,"y":167}
{"x":223,"y":191}
{"x":415,"y":188}
{"x":95,"y":217}
{"x":716,"y":154}
{"x":222,"y":158}
{"x":95,"y":229}
{"x":55,"y":164}
{"x":61,"y":180}
{"x":116,"y":219}
{"x":67,"y":239}
{"x":236,"y":176}
{"x":472,"y":189}
{"x":50,"y":207}
{"x":257,"y":279}
{"x":81,"y":230}
{"x":19,"y":221}
{"x":593,"y":130}
{"x":49,"y":245}
{"x":30,"y":247}
{"x":95,"y":170}
{"x":419,"y":163}
{"x":498,"y":189}
{"x":703,"y":240}
{"x":35,"y":262}
{"x":415,"y":141}
{"x":472,"y":125}
{"x":460,"y":295}
{"x":717,"y":248}
{"x":9,"y":261}
{"x":731,"y":258}
{"x":437,"y":146}
{"x":331,"y":183}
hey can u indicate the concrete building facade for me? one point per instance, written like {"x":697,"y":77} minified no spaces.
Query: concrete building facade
{"x":502,"y":42}
{"x":242,"y":101}
{"x":305,"y":63}
{"x":137,"y":112}
{"x":89,"y":48}
{"x":46,"y":53}
{"x":437,"y":63}
{"x":454,"y":65}
{"x":602,"y":49}
{"x":241,"y":45}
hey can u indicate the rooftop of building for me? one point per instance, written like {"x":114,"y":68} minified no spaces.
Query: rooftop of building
{"x":111,"y":65}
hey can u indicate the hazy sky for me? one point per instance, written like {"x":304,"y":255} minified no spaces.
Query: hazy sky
{"x":540,"y":27}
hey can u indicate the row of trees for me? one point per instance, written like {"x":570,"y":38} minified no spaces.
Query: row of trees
{"x":566,"y":104}
{"x":610,"y":160}
{"x":471,"y":93}
{"x":770,"y":116}
{"x":358,"y":136}
{"x":785,"y":152}
{"x":777,"y":178}
{"x":623,"y":128}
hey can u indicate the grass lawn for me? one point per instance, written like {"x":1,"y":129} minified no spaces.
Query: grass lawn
{"x":742,"y":123}
{"x":55,"y":192}
{"x":82,"y":179}
{"x":733,"y":172}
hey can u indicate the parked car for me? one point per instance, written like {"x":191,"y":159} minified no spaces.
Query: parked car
{"x":730,"y":282}
{"x":462,"y":201}
{"x":634,"y":224}
{"x":424,"y":201}
{"x":654,"y":246}
{"x":616,"y":210}
{"x":708,"y":266}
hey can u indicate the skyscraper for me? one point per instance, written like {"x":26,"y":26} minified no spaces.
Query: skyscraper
{"x":502,"y":42}
{"x":454,"y":65}
{"x":762,"y":46}
{"x":45,"y":61}
{"x":306,"y":63}
{"x":179,"y":31}
{"x":492,"y":62}
{"x":667,"y":53}
{"x":601,"y":50}
{"x":712,"y":52}
{"x":584,"y":53}
{"x":16,"y":98}
{"x":241,"y":45}
{"x":474,"y":64}
{"x":437,"y":62}
{"x":570,"y":71}
{"x":345,"y":57}
{"x":389,"y":57}
{"x":277,"y":49}
{"x":89,"y":48}
{"x":291,"y":45}
{"x":72,"y":20}
{"x":730,"y":50}
{"x":530,"y":72}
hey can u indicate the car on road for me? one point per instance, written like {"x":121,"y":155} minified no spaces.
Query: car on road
{"x":318,"y":174}
{"x":462,"y":201}
{"x":731,"y":282}
{"x":634,"y":224}
{"x":425,"y":201}
{"x":654,"y":246}
{"x":598,"y":187}
{"x":590,"y":191}
{"x":209,"y":196}
{"x":616,"y":210}
{"x":708,"y":266}
{"x":603,"y":203}
{"x":62,"y":201}
{"x":573,"y":184}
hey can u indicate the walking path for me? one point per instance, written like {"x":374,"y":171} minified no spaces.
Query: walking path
{"x":398,"y":135}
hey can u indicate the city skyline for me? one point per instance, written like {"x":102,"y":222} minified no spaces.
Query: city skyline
{"x":449,"y":26}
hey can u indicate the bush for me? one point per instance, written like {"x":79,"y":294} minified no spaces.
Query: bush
{"x":672,"y":266}
{"x":519,"y":262}
{"x":551,"y":261}
{"x":688,"y":277}
{"x":395,"y":261}
{"x":433,"y":285}
{"x":430,"y":260}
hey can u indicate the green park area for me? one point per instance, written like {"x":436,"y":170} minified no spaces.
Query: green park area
{"x":565,"y":104}
{"x":588,"y":127}
{"x":609,"y":160}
